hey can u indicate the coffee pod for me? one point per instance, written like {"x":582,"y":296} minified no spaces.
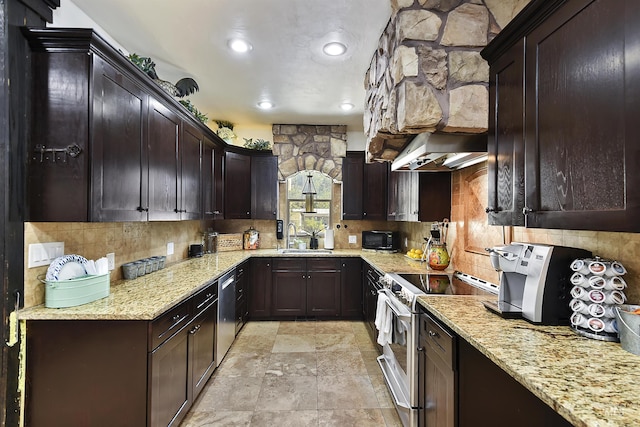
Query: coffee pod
{"x":579,"y":306}
{"x":595,"y":324}
{"x":595,"y":310}
{"x":580,"y":293}
{"x":597,"y":282}
{"x":609,"y":310}
{"x":614,"y":297}
{"x":578,"y":279}
{"x":596,"y":296}
{"x":580,"y":266}
{"x":615,"y":283}
{"x":615,"y":269}
{"x":610,"y":325}
{"x":578,"y":319}
{"x":597,"y":267}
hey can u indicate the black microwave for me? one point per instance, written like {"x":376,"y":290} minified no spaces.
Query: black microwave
{"x":381,"y":240}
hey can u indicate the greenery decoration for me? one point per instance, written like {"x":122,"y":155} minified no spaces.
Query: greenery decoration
{"x":258,"y":144}
{"x":224,"y":124}
{"x":142,"y":62}
{"x":189,"y":106}
{"x":226,"y":133}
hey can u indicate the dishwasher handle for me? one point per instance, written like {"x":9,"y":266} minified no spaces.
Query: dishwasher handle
{"x":227,"y":282}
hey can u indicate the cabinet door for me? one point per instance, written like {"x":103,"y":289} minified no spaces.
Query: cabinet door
{"x":264,"y":187}
{"x":439,"y":391}
{"x":169,"y":392}
{"x":260,"y":288}
{"x":212,"y":179}
{"x":164,"y":165}
{"x":237,"y":183}
{"x":289,"y":294}
{"x":434,"y":201}
{"x":392,"y":196}
{"x":323,"y":294}
{"x":351,"y":288}
{"x":119,"y":151}
{"x":190,"y":172}
{"x":374,"y":203}
{"x":581,"y":113}
{"x":505,"y":146}
{"x":352,"y":179}
{"x":202,"y":336}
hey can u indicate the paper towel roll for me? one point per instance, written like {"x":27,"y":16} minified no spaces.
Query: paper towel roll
{"x":328,"y":239}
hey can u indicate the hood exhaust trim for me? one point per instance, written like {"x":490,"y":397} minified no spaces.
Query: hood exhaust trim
{"x":433,"y":152}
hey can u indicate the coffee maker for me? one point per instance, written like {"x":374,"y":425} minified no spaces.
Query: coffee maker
{"x":534,"y":281}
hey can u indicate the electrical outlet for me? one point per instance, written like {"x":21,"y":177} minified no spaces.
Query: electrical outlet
{"x":111,"y":261}
{"x":170,"y":248}
{"x":353,"y":239}
{"x":44,"y":253}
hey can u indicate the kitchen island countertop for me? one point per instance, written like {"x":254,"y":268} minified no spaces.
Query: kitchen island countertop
{"x":149,"y":296}
{"x":589,"y":382}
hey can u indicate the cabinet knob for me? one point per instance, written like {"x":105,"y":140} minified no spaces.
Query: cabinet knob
{"x":248,"y":213}
{"x":364,"y":214}
{"x":420,"y":349}
{"x":141,"y":209}
{"x":487,"y":210}
{"x":216,"y":212}
{"x":526,"y":211}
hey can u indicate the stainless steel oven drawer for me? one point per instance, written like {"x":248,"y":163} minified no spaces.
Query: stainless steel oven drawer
{"x":438,"y":338}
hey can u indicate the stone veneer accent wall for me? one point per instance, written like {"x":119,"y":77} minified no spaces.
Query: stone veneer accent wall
{"x":310,"y":147}
{"x":427,"y":74}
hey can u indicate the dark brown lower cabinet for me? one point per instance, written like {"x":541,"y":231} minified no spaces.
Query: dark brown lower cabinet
{"x":351,"y":288}
{"x":121,"y":373}
{"x":260,"y":289}
{"x":305,"y":287}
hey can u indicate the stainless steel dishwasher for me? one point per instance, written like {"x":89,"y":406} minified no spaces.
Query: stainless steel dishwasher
{"x":226,"y":326}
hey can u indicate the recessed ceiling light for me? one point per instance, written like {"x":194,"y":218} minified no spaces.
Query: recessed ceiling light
{"x":334,"y":49}
{"x":240,"y":46}
{"x":265,"y":105}
{"x":346,"y":106}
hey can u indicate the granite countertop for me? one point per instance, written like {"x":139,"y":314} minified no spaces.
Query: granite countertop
{"x":588,"y":382}
{"x":149,"y":296}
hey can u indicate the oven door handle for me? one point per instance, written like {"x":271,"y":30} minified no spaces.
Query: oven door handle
{"x":405,"y":317}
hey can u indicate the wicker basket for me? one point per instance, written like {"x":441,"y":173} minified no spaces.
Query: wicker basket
{"x":230,"y":242}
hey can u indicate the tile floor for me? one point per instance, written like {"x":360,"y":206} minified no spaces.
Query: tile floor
{"x":307,"y":373}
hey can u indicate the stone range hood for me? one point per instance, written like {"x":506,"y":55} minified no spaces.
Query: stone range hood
{"x":427,"y":75}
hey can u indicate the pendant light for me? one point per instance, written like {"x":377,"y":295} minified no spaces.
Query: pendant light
{"x":309,"y":191}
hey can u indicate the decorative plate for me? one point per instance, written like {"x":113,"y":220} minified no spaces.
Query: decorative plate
{"x":67,"y":267}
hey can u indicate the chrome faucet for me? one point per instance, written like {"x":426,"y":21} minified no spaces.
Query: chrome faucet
{"x":295,"y":233}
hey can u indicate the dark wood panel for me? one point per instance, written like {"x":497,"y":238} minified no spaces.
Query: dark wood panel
{"x":289,"y":264}
{"x":351,"y":288}
{"x":237,"y":187}
{"x":435,"y":196}
{"x":260,"y":288}
{"x":289,"y":295}
{"x":374,"y":203}
{"x":352,"y":185}
{"x":506,"y":139}
{"x":190,"y":172}
{"x":164,"y":166}
{"x":323,"y":293}
{"x":202,"y":348}
{"x":118,"y":156}
{"x":74,"y":364}
{"x":264,"y":187}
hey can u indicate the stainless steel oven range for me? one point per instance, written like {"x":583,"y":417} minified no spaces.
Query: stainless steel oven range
{"x":397,"y":304}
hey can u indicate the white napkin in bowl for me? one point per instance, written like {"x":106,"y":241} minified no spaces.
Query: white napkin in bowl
{"x":102,"y":266}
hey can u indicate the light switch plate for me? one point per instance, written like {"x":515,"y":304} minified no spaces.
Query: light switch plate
{"x":353,"y":239}
{"x":111,"y":261}
{"x":44,"y":253}
{"x":170,"y":248}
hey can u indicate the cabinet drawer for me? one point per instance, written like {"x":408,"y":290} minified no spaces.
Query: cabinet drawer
{"x":202,"y":299}
{"x":441,"y":341}
{"x":241,"y":270}
{"x":323,"y":264}
{"x":290,"y":264}
{"x":168,"y":324}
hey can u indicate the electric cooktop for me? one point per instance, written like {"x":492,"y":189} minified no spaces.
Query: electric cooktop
{"x":458,"y":284}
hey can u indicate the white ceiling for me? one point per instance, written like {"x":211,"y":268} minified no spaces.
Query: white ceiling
{"x":188,"y":38}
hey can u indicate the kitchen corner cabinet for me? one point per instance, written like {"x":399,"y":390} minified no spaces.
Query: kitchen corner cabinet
{"x":581,"y":100}
{"x":305,"y":287}
{"x":364,"y":188}
{"x":251,"y":185}
{"x":162,"y":364}
{"x":107,"y":143}
{"x":260,"y":289}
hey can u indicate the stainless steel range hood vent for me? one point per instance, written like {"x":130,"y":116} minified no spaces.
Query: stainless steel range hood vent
{"x":433,"y":152}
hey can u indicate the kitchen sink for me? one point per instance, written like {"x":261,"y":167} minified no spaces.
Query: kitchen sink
{"x":306,"y":251}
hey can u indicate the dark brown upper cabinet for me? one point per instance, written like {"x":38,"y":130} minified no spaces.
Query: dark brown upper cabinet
{"x":419,"y":196}
{"x":212,"y":179}
{"x":364,"y":188}
{"x":581,"y":99}
{"x":106,"y":143}
{"x":251,"y":184}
